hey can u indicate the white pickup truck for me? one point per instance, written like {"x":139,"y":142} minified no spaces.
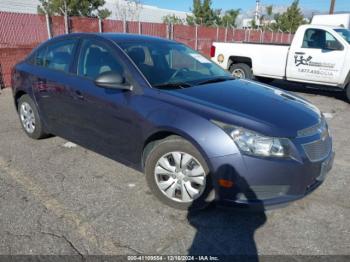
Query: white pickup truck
{"x":318,"y":55}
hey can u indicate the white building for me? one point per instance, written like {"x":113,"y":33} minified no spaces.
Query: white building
{"x":145,"y":13}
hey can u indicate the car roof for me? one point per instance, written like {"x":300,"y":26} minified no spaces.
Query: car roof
{"x":116,"y":37}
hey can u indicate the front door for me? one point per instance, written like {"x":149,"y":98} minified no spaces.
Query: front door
{"x":105,"y":121}
{"x":318,"y":59}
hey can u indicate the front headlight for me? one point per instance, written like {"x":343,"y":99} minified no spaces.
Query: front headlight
{"x":255,"y":144}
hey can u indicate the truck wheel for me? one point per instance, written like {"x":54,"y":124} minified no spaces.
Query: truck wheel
{"x":242,"y":71}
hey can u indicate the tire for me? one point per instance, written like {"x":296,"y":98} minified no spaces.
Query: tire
{"x":34,"y":129}
{"x":242,"y":71}
{"x":347,"y":93}
{"x":179,"y":195}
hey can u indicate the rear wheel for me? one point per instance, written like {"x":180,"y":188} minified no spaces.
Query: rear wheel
{"x":242,"y":71}
{"x":178,"y":175}
{"x":30,"y":119}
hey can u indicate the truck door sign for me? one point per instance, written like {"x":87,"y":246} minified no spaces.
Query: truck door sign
{"x":300,"y":60}
{"x":314,"y":68}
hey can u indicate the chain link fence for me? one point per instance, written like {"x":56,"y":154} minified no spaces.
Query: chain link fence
{"x":20,"y":33}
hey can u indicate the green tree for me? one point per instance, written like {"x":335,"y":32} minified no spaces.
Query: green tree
{"x":253,"y":24}
{"x":204,"y":14}
{"x":269,"y":11}
{"x":230,"y":17}
{"x":197,"y":11}
{"x":90,"y":8}
{"x":173,"y":19}
{"x":210,"y":16}
{"x":190,"y":20}
{"x":291,"y":19}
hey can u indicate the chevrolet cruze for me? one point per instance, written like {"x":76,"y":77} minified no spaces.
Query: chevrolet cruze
{"x":160,"y":107}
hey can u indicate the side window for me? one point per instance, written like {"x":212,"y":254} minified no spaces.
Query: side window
{"x":140,"y":55}
{"x":60,"y":55}
{"x":95,"y":59}
{"x":332,"y":43}
{"x":314,"y":38}
{"x":40,"y":57}
{"x":320,"y":39}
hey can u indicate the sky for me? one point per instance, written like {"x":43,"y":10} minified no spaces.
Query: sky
{"x":184,"y":5}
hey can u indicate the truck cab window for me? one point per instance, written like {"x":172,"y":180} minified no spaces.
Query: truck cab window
{"x":320,"y":39}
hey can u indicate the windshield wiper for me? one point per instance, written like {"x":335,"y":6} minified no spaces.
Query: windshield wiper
{"x":173,"y":85}
{"x":216,"y":80}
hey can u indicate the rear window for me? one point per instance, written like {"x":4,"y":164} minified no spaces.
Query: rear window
{"x":344,"y":33}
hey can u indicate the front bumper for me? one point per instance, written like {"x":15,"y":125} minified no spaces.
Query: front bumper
{"x":263,"y":182}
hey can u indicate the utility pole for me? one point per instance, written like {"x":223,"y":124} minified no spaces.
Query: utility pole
{"x":331,"y":9}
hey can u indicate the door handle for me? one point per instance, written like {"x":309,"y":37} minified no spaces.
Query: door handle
{"x":300,"y":53}
{"x":41,"y":85}
{"x":79,"y":94}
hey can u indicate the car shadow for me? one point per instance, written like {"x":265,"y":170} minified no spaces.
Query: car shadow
{"x":228,"y":233}
{"x":312,"y":90}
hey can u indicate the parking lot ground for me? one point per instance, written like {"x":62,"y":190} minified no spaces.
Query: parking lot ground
{"x":61,"y":199}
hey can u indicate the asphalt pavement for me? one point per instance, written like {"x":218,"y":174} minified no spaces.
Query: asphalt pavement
{"x":58,"y":198}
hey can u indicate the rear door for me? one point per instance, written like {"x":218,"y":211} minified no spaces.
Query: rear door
{"x":51,"y":84}
{"x":319,"y":58}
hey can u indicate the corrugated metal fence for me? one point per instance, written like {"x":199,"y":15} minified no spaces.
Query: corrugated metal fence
{"x":20,"y":33}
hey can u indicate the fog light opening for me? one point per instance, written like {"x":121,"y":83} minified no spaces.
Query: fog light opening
{"x":225,"y":183}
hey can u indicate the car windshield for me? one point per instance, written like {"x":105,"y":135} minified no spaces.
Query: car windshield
{"x":344,"y":33}
{"x":171,"y":65}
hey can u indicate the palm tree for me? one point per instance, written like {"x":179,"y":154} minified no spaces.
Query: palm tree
{"x":269,"y":11}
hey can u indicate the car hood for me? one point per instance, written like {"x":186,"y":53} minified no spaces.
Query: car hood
{"x":262,"y":108}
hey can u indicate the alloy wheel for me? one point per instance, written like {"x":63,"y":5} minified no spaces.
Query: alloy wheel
{"x":27,"y":117}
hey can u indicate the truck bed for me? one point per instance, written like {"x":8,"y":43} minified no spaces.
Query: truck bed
{"x":268,"y":60}
{"x":255,"y":43}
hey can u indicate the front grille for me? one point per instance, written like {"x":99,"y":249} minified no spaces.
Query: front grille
{"x":265,"y":192}
{"x":318,"y":150}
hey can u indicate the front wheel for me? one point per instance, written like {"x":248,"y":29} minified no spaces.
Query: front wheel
{"x":242,"y":71}
{"x":30,"y":119}
{"x":178,"y":175}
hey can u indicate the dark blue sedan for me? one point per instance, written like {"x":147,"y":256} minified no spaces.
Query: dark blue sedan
{"x":159,"y":107}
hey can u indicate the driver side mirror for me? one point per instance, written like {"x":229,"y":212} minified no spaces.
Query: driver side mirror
{"x":112,"y":80}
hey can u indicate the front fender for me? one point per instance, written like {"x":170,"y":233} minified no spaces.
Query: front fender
{"x":209,"y":139}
